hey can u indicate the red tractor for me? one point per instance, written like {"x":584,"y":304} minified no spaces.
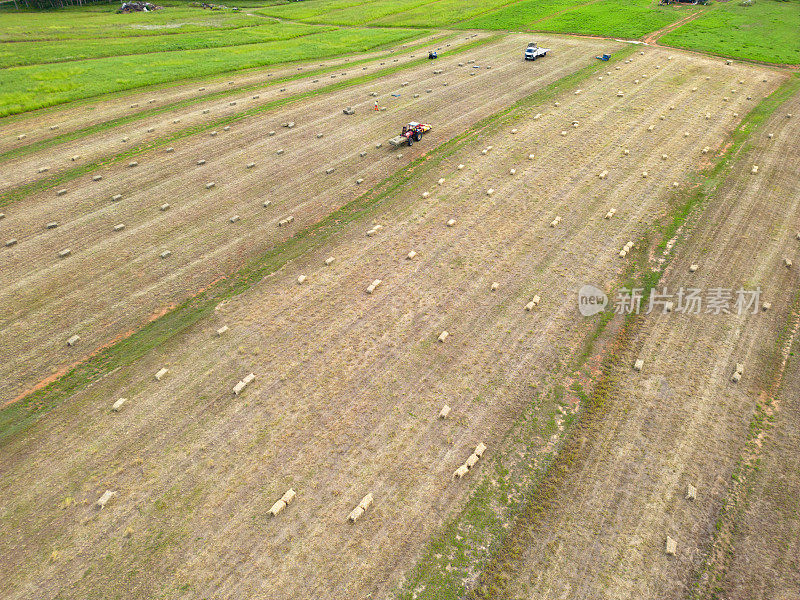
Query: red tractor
{"x":411,"y":133}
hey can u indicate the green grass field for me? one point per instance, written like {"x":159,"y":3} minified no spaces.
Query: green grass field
{"x":101,"y":21}
{"x":42,"y":52}
{"x":768,"y":31}
{"x":37,"y":86}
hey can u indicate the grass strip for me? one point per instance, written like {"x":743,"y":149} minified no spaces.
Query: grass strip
{"x":26,"y":190}
{"x":16,"y":417}
{"x":543,"y":497}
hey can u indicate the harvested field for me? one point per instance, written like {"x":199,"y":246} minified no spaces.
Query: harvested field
{"x":348,"y":385}
{"x":113,"y":281}
{"x":681,"y":421}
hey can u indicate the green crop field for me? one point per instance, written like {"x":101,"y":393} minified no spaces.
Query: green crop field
{"x":769,"y":31}
{"x":520,"y":15}
{"x":37,"y":86}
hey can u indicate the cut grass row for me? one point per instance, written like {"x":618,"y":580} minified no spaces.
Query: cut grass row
{"x":767,"y":31}
{"x":38,"y":86}
{"x":45,"y":52}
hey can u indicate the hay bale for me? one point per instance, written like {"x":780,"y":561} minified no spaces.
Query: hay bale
{"x":11,"y":242}
{"x":256,"y":97}
{"x":480,"y":449}
{"x":97,"y":178}
{"x":460,"y":167}
{"x":205,"y":111}
{"x":61,"y":192}
{"x":619,"y":93}
{"x":441,"y":181}
{"x":366,"y":502}
{"x":349,"y":110}
{"x":289,"y":496}
{"x":672,"y":545}
{"x":443,"y":336}
{"x":51,"y":225}
{"x":202,"y":161}
{"x":373,"y":286}
{"x":693,"y":267}
{"x":250,"y":165}
{"x":279,"y":151}
{"x":222,"y":330}
{"x":277,"y":508}
{"x":444,"y":412}
{"x":603,"y":174}
{"x":362,"y":154}
{"x":119,"y":227}
{"x":626,"y":152}
{"x":787,"y":263}
{"x":166,"y":254}
{"x":706,"y":150}
{"x":43,"y":169}
{"x":651,"y":128}
{"x":766,"y":306}
{"x":512,"y":172}
{"x":210,"y":185}
{"x":411,"y":255}
{"x":76,"y":157}
{"x":270,"y":133}
{"x":161,"y":373}
{"x":168,"y":150}
{"x":239,"y":387}
{"x":104,"y":499}
{"x":355,"y":514}
{"x":117,"y":406}
{"x":472,"y":461}
{"x":301,"y":279}
{"x":513,"y":131}
{"x":73,"y":340}
{"x":2,"y":216}
{"x":537,"y":116}
{"x":533,"y":303}
{"x":165,"y":206}
{"x":234,"y":218}
{"x":425,"y":194}
{"x":638,"y":365}
{"x":489,"y":192}
{"x":644,"y":174}
{"x":611,"y":212}
{"x":664,"y":157}
{"x":460,"y":472}
{"x":451,"y":223}
{"x":555,"y":222}
{"x":691,"y":492}
{"x":226,"y":128}
{"x":495,"y":286}
{"x":675,"y":184}
{"x":623,"y":253}
{"x":754,"y":170}
{"x":669,"y":306}
{"x":531,"y":156}
{"x":64,"y":253}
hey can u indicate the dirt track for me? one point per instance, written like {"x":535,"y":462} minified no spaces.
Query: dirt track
{"x":681,"y":421}
{"x":348,"y":384}
{"x":114,"y":280}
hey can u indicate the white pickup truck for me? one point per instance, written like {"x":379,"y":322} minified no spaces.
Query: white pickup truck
{"x":532,"y":52}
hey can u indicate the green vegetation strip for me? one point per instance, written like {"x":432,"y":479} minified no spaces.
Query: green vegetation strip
{"x":79,"y":133}
{"x":24,"y":191}
{"x":541,"y":499}
{"x":17,"y":416}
